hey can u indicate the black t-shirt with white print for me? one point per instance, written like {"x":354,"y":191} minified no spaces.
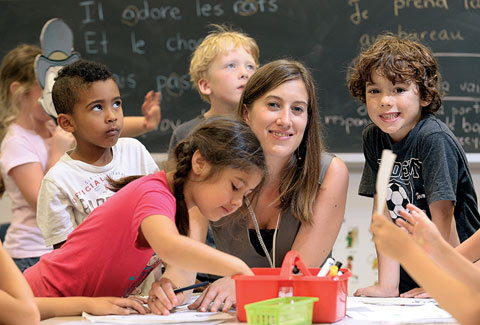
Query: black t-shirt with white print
{"x":430,"y":166}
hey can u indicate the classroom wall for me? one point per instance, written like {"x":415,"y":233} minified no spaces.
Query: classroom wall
{"x":354,"y":238}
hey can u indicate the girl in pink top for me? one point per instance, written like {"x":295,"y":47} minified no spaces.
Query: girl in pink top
{"x":121,"y":241}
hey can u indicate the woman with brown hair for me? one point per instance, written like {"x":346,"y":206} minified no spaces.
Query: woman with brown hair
{"x":301,"y":202}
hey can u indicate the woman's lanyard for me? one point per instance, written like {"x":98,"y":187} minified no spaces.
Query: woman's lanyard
{"x":260,"y":239}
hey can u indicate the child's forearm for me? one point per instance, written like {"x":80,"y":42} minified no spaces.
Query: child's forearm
{"x":12,"y":281}
{"x":180,"y":278}
{"x":388,"y":273}
{"x":63,"y":306}
{"x":456,"y":297}
{"x":133,"y":126}
{"x":388,"y":268}
{"x":193,"y":255}
{"x":17,"y":310}
{"x":470,"y":248}
{"x":53,"y":158}
{"x":17,"y":304}
{"x":442,"y":217}
{"x":187,"y":253}
{"x":456,"y":265}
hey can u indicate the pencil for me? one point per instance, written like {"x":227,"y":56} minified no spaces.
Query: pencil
{"x":193,"y":286}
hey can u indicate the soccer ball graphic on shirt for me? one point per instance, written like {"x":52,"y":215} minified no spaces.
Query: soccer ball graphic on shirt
{"x":397,"y":200}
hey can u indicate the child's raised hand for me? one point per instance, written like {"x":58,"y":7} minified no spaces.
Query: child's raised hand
{"x":162,"y":298}
{"x":60,"y":142}
{"x":423,"y":230}
{"x":151,"y":110}
{"x":220,"y":291}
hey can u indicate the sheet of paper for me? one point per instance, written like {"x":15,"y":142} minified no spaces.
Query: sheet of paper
{"x":183,"y":316}
{"x":394,"y":301}
{"x":180,"y":314}
{"x":383,"y":177}
{"x":408,"y":311}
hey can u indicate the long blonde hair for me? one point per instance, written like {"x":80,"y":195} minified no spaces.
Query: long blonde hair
{"x":17,"y":66}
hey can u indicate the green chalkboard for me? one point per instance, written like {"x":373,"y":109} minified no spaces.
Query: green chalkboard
{"x":148,"y":43}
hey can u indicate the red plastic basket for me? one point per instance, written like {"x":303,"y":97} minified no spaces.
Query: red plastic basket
{"x":267,"y":282}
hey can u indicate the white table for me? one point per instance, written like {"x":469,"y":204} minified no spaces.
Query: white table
{"x":345,"y":321}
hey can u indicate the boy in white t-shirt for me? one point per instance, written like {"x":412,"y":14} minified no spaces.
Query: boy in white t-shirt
{"x":89,"y":106}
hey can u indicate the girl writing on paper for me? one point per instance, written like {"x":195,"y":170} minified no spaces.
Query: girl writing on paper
{"x":113,"y":249}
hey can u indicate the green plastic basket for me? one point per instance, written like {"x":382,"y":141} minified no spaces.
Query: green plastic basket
{"x":285,"y":311}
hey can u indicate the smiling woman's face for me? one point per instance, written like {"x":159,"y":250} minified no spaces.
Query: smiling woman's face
{"x":279,"y":118}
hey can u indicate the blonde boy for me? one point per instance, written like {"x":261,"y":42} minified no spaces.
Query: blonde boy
{"x":219,"y":69}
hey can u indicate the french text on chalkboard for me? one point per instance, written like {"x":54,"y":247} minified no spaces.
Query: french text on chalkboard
{"x":148,"y":44}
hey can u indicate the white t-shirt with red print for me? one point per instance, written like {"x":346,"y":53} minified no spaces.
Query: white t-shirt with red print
{"x":72,"y":188}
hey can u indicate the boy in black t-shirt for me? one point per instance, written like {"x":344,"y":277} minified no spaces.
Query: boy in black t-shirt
{"x":398,"y":81}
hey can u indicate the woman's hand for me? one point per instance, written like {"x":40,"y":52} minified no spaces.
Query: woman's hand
{"x":220,"y":291}
{"x":162,"y":298}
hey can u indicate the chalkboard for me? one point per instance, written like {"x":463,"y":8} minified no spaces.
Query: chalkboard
{"x":148,"y":43}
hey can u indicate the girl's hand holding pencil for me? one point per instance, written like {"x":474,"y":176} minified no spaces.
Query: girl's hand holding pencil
{"x":164,"y":296}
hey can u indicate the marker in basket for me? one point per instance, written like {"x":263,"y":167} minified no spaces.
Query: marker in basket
{"x":339,"y":267}
{"x":193,"y":286}
{"x":326,"y":267}
{"x":334,"y":269}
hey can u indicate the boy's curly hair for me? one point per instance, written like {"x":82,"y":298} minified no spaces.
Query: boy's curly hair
{"x":73,"y":78}
{"x":399,"y":60}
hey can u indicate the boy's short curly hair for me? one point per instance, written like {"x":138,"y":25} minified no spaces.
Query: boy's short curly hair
{"x":73,"y":78}
{"x":220,"y":40}
{"x":399,"y":60}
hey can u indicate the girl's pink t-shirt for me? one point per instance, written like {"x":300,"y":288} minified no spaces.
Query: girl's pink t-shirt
{"x":19,"y":147}
{"x":102,"y":256}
